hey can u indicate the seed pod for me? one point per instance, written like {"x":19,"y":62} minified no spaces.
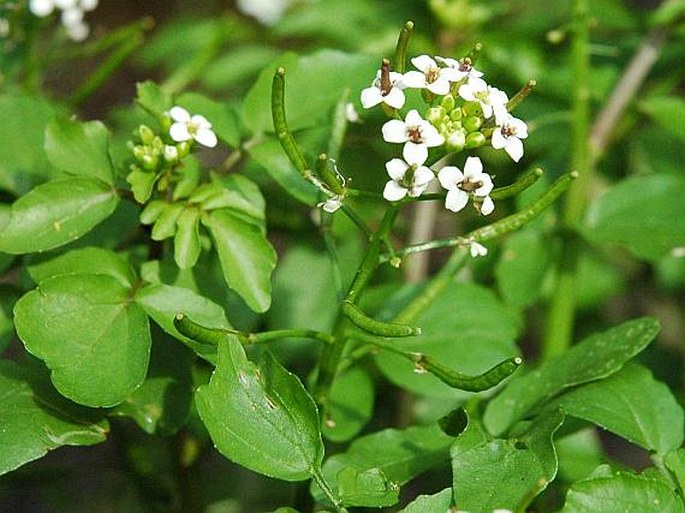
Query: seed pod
{"x":370,"y":325}
{"x":485,"y":381}
{"x":197,"y":332}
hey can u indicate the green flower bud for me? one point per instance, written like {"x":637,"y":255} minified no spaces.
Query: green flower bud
{"x":183,"y":148}
{"x":146,"y":134}
{"x":472,"y":123}
{"x":140,"y":152}
{"x":150,"y":162}
{"x":435,"y":115}
{"x":472,"y":109}
{"x":455,"y":141}
{"x":448,"y":102}
{"x":456,"y":114}
{"x":474,"y":140}
{"x":157,"y":145}
{"x":165,"y":122}
{"x":171,"y":154}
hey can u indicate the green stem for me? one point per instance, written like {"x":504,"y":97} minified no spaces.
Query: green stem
{"x":320,"y":480}
{"x":268,"y":336}
{"x":332,"y":353}
{"x":560,"y":319}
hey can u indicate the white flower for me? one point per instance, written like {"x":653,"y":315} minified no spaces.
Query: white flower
{"x":508,"y":135}
{"x":417,"y":134}
{"x":268,"y":12}
{"x":332,"y":204}
{"x":72,"y":14}
{"x":188,"y":127}
{"x":477,"y":249}
{"x":462,"y":185}
{"x":431,"y":76}
{"x":491,"y":99}
{"x":392,"y":94}
{"x":42,"y":8}
{"x":464,"y":67}
{"x":406,"y":179}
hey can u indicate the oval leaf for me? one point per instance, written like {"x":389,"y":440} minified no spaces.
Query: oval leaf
{"x":91,"y":336}
{"x":56,"y":213}
{"x":261,"y":417}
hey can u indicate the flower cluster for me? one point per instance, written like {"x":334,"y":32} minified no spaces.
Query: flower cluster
{"x":157,"y":156}
{"x":73,"y":12}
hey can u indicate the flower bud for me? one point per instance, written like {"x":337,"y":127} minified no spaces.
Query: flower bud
{"x":447,"y":102}
{"x":472,"y":109}
{"x":456,"y":114}
{"x":455,"y":141}
{"x":146,"y":134}
{"x":171,"y":154}
{"x":183,"y":148}
{"x":472,"y":123}
{"x":474,"y":140}
{"x":157,"y":145}
{"x":435,"y":115}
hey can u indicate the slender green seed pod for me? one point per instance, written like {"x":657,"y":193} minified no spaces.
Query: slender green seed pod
{"x":518,"y":186}
{"x":197,"y":332}
{"x":485,"y":381}
{"x":370,"y":325}
{"x":401,"y":48}
{"x":328,"y":176}
{"x":521,"y":95}
{"x":474,"y":53}
{"x":281,"y":126}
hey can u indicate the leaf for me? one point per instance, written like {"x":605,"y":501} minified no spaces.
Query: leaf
{"x":598,"y":356}
{"x":91,"y":336}
{"x":8,"y":296}
{"x":666,"y":111}
{"x":269,"y":154}
{"x":481,"y":336}
{"x":368,"y":487}
{"x":90,"y":260}
{"x":152,"y":98}
{"x":79,"y":149}
{"x":163,"y":302}
{"x":237,"y":65}
{"x":56,"y":213}
{"x":223,"y":119}
{"x":436,"y":503}
{"x":631,"y":404}
{"x":675,"y":462}
{"x":36,"y":420}
{"x":187,"y":238}
{"x":579,"y":454}
{"x":350,"y":405}
{"x":608,"y":491}
{"x":23,"y":163}
{"x":161,"y":405}
{"x":305,"y":105}
{"x":399,"y":455}
{"x":247,"y":258}
{"x":261,"y":417}
{"x":505,"y":473}
{"x":645,"y":213}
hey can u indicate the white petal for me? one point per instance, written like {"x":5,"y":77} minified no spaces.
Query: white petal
{"x":179,"y":132}
{"x":440,"y":87}
{"x":417,"y":190}
{"x":423,"y":176}
{"x":72,"y":16}
{"x":487,"y":186}
{"x":179,"y":114}
{"x":498,"y":140}
{"x":394,"y":131}
{"x":450,"y":63}
{"x":430,"y":136}
{"x":396,"y":79}
{"x":477,"y":249}
{"x":396,"y":168}
{"x":206,"y":137}
{"x":473,"y":168}
{"x":451,"y":74}
{"x":351,"y":113}
{"x":487,"y":206}
{"x":395,"y":98}
{"x":89,"y":5}
{"x":413,"y":118}
{"x":424,"y":62}
{"x":77,"y":31}
{"x":514,"y":148}
{"x":41,"y":8}
{"x":65,"y":4}
{"x":394,"y":191}
{"x":520,"y":127}
{"x":456,"y":200}
{"x":414,"y":79}
{"x":331,"y":204}
{"x":466,"y":92}
{"x":415,"y":153}
{"x":371,"y":96}
{"x":200,"y":121}
{"x":450,"y":176}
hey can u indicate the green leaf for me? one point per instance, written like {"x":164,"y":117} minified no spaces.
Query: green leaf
{"x":163,"y":302}
{"x":8,"y":296}
{"x":608,"y":491}
{"x":350,"y":405}
{"x":91,"y":336}
{"x":522,"y":267}
{"x":79,"y":149}
{"x":675,"y":462}
{"x":631,"y":404}
{"x":153,"y":99}
{"x":579,"y":454}
{"x":505,"y":473}
{"x":666,"y":111}
{"x":596,"y":357}
{"x":237,"y":65}
{"x":436,"y":503}
{"x":23,"y":163}
{"x":645,"y":213}
{"x":187,"y":239}
{"x":235,"y":193}
{"x":142,"y":183}
{"x":91,"y":260}
{"x":35,"y":419}
{"x":223,"y":119}
{"x":247,"y":258}
{"x":269,"y":154}
{"x":481,"y":336}
{"x":399,"y":456}
{"x":165,"y":224}
{"x":305,"y":105}
{"x":261,"y":417}
{"x":56,"y":213}
{"x":161,"y":405}
{"x":368,"y":487}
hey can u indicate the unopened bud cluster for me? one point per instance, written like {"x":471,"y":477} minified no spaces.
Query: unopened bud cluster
{"x":461,"y":123}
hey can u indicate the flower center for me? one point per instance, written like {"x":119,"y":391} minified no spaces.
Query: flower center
{"x":414,"y":134}
{"x":465,"y":65}
{"x":508,"y":130}
{"x":469,"y":186}
{"x":432,"y":74}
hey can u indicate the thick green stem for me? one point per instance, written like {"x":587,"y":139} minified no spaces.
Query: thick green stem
{"x":560,"y":319}
{"x":332,"y":353}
